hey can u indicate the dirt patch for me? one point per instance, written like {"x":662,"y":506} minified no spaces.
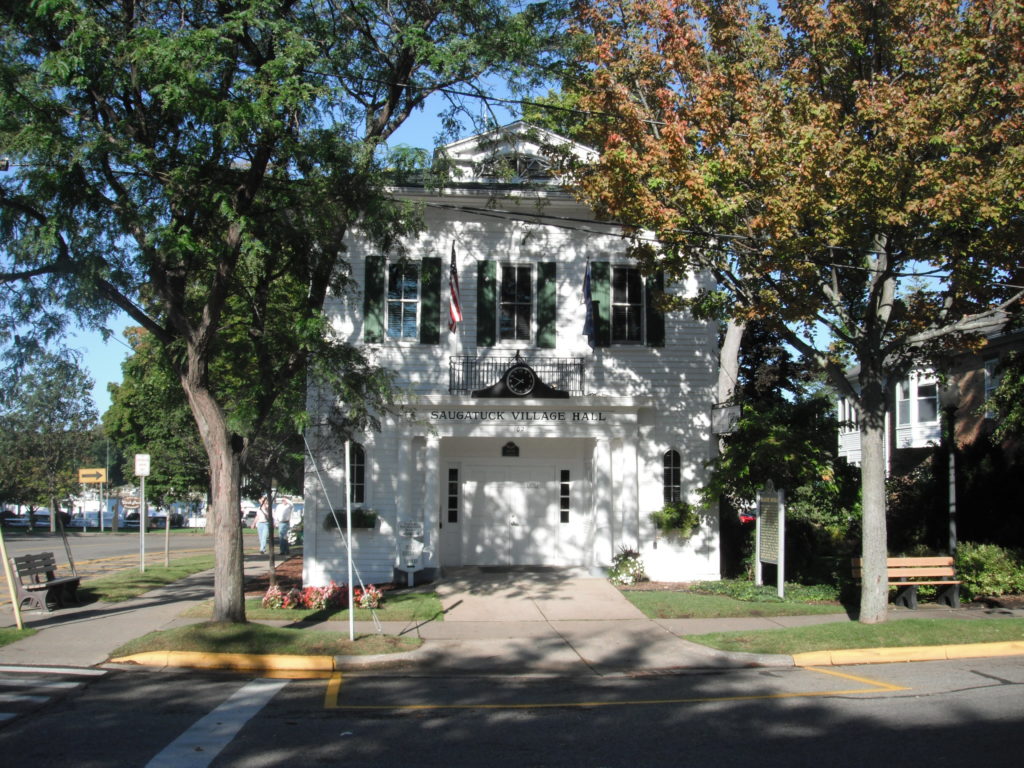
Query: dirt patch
{"x":289,"y":575}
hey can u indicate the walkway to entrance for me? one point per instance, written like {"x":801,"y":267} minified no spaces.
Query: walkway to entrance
{"x":530,"y":593}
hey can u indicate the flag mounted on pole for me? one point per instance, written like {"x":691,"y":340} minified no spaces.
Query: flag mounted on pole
{"x":588,"y":300}
{"x":454,"y":300}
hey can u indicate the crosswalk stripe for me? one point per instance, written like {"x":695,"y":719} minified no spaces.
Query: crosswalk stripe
{"x":78,"y":671}
{"x":200,"y":744}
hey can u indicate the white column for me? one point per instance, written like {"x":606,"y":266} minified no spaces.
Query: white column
{"x":431,"y":500}
{"x":603,"y":521}
{"x":628,"y":494}
{"x":404,"y":477}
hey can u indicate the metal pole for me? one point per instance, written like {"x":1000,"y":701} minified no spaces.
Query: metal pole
{"x":952,"y":481}
{"x":348,"y":536}
{"x":142,"y":526}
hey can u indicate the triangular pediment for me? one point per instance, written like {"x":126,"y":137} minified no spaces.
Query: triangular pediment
{"x":516,"y":153}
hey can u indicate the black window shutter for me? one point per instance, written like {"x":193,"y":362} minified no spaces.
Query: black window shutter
{"x":601,"y":300}
{"x":546,"y":305}
{"x":655,"y":319}
{"x":373,"y":300}
{"x":430,"y":303}
{"x":486,"y":302}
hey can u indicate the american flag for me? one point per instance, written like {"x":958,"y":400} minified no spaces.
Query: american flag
{"x":454,"y":301}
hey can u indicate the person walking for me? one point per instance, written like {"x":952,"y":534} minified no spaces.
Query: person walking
{"x":283,"y":518}
{"x":262,"y":523}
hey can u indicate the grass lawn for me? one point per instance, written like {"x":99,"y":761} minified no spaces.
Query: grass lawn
{"x":129,"y":583}
{"x":396,"y":606}
{"x":690,"y":605}
{"x":10,"y":634}
{"x":220,"y":637}
{"x":732,"y":598}
{"x":890,"y":634}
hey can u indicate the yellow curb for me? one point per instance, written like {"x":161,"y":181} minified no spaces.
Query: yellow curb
{"x":906,"y":654}
{"x":236,"y":661}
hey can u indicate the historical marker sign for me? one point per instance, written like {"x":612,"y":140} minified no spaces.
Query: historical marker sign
{"x":770,"y":541}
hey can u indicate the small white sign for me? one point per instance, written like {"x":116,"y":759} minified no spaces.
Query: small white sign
{"x":410,"y":529}
{"x":142,"y":465}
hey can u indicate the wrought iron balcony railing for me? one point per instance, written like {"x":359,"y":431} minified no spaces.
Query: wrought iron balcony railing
{"x":467,"y":374}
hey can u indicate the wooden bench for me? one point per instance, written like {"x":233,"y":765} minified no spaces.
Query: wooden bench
{"x":36,"y":582}
{"x":909,"y":573}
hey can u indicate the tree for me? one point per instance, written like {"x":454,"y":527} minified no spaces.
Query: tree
{"x":197,"y":164}
{"x":46,"y":423}
{"x":848,"y":171}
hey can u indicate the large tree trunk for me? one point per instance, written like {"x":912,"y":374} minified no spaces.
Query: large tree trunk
{"x":225,"y":481}
{"x":729,"y":361}
{"x":874,"y":591}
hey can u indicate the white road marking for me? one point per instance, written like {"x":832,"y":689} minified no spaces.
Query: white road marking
{"x":27,"y":682}
{"x":200,"y":744}
{"x":82,"y":671}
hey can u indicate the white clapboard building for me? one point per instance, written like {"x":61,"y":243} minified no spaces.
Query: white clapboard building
{"x":523,"y":440}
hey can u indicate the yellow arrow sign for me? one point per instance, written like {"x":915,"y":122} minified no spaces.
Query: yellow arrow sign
{"x":92,"y":475}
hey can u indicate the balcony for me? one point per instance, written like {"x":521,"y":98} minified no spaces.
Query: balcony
{"x":467,"y":374}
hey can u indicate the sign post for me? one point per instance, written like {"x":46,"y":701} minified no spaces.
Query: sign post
{"x":142,"y":471}
{"x":770,"y":541}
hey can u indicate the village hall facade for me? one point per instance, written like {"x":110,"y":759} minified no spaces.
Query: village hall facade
{"x":530,"y":434}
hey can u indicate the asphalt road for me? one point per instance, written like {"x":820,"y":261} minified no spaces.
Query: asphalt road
{"x":962,"y":713}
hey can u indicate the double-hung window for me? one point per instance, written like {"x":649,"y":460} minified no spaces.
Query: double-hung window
{"x":515,"y":304}
{"x":403,"y":301}
{"x":627,"y":306}
{"x":623,"y":307}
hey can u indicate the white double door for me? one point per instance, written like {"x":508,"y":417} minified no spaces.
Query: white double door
{"x":511,"y":517}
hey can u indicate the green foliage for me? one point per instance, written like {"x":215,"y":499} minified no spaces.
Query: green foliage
{"x":747,"y":590}
{"x":676,"y":517}
{"x":627,"y":567}
{"x":1008,"y":399}
{"x":989,"y":570}
{"x":47,"y":420}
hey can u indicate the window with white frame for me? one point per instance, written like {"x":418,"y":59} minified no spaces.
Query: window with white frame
{"x":927,"y":402}
{"x":903,"y":403}
{"x":627,"y":305}
{"x":672,"y":487}
{"x":515,"y":303}
{"x":357,"y":473}
{"x":403,"y":294}
{"x":991,"y":384}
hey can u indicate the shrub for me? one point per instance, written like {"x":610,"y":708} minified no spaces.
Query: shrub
{"x":627,"y":567}
{"x":677,"y":517}
{"x":322,"y":598}
{"x":274,"y":598}
{"x":367,"y":598}
{"x":988,"y":569}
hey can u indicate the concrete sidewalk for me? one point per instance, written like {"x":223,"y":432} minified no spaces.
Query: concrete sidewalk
{"x":503,"y":622}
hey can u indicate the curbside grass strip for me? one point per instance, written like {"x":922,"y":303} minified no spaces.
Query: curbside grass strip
{"x":911,"y":653}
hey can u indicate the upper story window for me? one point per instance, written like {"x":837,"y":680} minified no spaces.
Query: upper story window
{"x":403,"y":301}
{"x":516,"y":304}
{"x":849,"y":417}
{"x":515,"y":310}
{"x":622,"y":306}
{"x":917,"y":401}
{"x":627,"y":305}
{"x":991,"y":385}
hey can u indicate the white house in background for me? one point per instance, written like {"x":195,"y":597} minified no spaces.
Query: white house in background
{"x":523,"y":441}
{"x":914,"y":416}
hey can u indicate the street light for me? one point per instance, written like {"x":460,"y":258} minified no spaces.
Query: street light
{"x":949,"y":399}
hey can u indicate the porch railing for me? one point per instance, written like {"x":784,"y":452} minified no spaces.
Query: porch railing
{"x":466,"y":374}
